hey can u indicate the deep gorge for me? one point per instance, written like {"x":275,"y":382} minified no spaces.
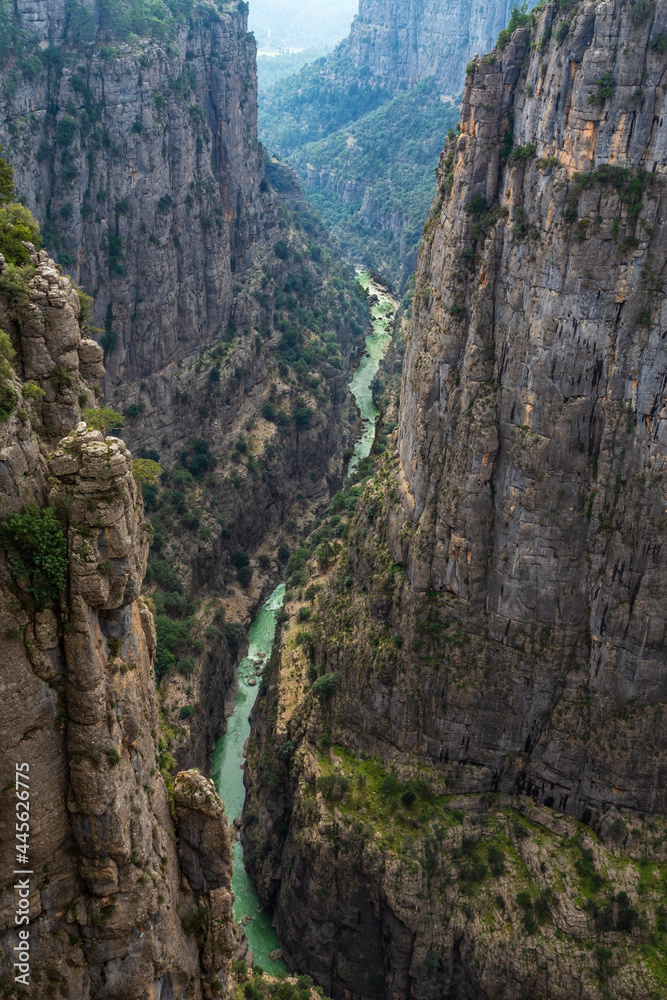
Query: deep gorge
{"x":455,"y":773}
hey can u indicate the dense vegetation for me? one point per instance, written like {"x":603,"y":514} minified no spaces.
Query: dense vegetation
{"x":37,"y":552}
{"x":388,"y":158}
{"x":322,"y":98}
{"x":251,"y":984}
{"x":271,"y":69}
{"x":368,"y":157}
{"x":111,"y":21}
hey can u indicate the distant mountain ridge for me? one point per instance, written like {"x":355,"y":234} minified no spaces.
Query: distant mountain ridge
{"x":393,"y":47}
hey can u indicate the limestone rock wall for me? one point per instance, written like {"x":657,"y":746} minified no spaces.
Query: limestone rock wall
{"x":151,"y":198}
{"x":405,"y":41}
{"x":111,"y":913}
{"x":531,"y":437}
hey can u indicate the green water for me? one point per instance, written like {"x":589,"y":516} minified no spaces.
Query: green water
{"x":382,"y":315}
{"x":227,"y":763}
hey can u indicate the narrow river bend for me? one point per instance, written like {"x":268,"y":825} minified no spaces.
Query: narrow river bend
{"x":227,"y":761}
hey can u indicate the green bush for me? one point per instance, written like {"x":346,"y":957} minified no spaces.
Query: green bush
{"x":239,"y":970}
{"x":186,"y":712}
{"x":17,"y":224}
{"x":606,"y":86}
{"x":185,"y":666}
{"x":32,"y":391}
{"x":562,"y":32}
{"x":66,"y":130}
{"x":477,"y":205}
{"x":281,"y":249}
{"x":642,"y":11}
{"x":269,"y":410}
{"x":146,"y":471}
{"x":160,"y":572}
{"x":8,"y":400}
{"x":496,"y":858}
{"x":6,"y":181}
{"x":519,"y":18}
{"x":283,"y":552}
{"x":390,"y":785}
{"x":302,"y":415}
{"x":521,"y":154}
{"x":332,"y":786}
{"x":103,"y":419}
{"x":235,"y":634}
{"x":37,"y":549}
{"x":326,"y":686}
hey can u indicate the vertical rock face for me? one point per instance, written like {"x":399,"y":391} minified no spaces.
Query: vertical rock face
{"x":405,"y":41}
{"x":110,"y":914}
{"x":495,"y":637}
{"x":144,"y":162}
{"x":532,"y":428}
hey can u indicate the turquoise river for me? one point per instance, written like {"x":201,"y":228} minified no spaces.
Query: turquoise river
{"x":228,"y":759}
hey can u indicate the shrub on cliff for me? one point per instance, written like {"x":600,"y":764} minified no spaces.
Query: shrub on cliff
{"x":235,"y":635}
{"x":103,"y":419}
{"x":326,"y":686}
{"x":519,"y":18}
{"x":145,"y":470}
{"x":17,"y":224}
{"x":8,"y":395}
{"x":37,"y":551}
{"x":333,"y":786}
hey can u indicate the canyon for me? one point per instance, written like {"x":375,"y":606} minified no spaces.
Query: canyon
{"x":363,"y":127}
{"x":455,"y":774}
{"x":475,"y":708}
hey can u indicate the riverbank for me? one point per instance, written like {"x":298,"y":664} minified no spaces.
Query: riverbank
{"x":383,"y":309}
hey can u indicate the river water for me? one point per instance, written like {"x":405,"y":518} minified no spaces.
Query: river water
{"x":226,"y":766}
{"x":382,"y":315}
{"x":227,"y":761}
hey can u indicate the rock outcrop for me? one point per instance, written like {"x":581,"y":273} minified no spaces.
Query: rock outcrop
{"x":111,"y":912}
{"x":491,"y":646}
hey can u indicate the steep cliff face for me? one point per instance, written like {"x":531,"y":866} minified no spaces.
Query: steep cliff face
{"x":112,"y":911}
{"x":531,"y":436}
{"x":133,"y":136}
{"x":404,"y":41}
{"x":138,"y":147}
{"x":492,"y":644}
